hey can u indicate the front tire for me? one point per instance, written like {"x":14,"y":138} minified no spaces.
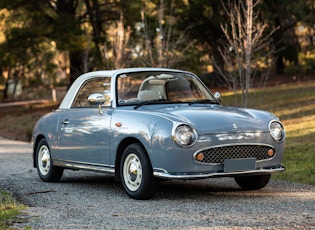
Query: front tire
{"x":136,"y":173}
{"x":252,"y":182}
{"x":45,"y":168}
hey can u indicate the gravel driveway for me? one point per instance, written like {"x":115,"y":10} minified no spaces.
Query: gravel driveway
{"x":87,"y":200}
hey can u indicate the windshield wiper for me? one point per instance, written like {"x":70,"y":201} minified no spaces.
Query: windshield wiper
{"x":164,"y":101}
{"x":203,"y":102}
{"x":149,"y":102}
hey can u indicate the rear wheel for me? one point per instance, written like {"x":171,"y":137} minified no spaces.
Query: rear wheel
{"x":45,"y":168}
{"x":136,"y":173}
{"x":253,"y":182}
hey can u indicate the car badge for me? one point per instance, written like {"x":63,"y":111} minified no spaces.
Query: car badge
{"x":235,"y":126}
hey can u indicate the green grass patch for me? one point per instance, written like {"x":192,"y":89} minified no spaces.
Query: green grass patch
{"x":300,"y":163}
{"x":294,"y":104}
{"x":9,"y":209}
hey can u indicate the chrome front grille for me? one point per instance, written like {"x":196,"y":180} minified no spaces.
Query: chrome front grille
{"x":217,"y":155}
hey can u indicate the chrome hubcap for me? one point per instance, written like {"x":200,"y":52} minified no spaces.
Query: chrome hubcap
{"x":44,"y":160}
{"x":132,"y":171}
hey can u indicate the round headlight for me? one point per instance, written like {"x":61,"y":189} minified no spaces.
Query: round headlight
{"x":276,"y":130}
{"x":185,"y":135}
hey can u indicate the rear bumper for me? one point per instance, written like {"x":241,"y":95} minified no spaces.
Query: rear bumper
{"x":190,"y":176}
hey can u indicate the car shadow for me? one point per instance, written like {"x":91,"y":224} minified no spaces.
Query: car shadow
{"x":167,"y":189}
{"x":196,"y":188}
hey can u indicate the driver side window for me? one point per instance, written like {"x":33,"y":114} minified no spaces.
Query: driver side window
{"x":95,"y":85}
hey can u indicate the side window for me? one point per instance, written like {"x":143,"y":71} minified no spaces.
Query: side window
{"x":95,"y":85}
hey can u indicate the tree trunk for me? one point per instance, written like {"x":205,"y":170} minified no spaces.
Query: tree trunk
{"x":76,"y":65}
{"x":5,"y":91}
{"x":248,"y":49}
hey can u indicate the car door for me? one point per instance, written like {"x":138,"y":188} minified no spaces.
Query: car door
{"x":84,"y":128}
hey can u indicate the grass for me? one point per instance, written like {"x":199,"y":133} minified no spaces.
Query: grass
{"x":9,"y":209}
{"x":294,"y":105}
{"x":300,"y":163}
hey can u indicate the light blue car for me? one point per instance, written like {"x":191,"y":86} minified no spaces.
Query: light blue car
{"x":147,"y":124}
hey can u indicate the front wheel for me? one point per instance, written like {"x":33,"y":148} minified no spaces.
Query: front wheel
{"x":45,"y":168}
{"x":252,"y":182}
{"x":136,"y":173}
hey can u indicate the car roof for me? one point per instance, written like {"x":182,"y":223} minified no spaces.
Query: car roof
{"x":105,"y":73}
{"x":126,"y":70}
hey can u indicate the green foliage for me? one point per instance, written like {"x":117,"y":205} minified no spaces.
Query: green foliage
{"x":80,"y":30}
{"x":9,"y":208}
{"x":299,"y":162}
{"x":306,"y":64}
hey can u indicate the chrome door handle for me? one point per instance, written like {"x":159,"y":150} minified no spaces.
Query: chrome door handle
{"x":65,"y":122}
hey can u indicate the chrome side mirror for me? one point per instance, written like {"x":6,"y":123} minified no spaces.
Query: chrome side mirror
{"x":218,"y":96}
{"x":97,"y":99}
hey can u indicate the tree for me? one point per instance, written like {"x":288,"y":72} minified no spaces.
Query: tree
{"x":65,"y":17}
{"x":94,"y":34}
{"x":284,"y":15}
{"x":244,"y":46}
{"x":76,"y":26}
{"x":100,"y":16}
{"x":120,"y":43}
{"x":164,"y":45}
{"x":24,"y":51}
{"x":51,"y":20}
{"x":204,"y":18}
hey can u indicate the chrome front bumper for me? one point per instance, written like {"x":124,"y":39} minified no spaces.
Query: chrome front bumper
{"x":190,"y":176}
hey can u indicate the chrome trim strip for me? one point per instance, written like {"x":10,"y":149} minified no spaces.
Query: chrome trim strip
{"x":165,"y":175}
{"x":80,"y":162}
{"x":85,"y":166}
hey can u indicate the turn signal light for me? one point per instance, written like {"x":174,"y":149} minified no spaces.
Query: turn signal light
{"x":200,"y":157}
{"x":271,"y":152}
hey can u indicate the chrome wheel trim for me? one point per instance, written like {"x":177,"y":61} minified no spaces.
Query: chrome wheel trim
{"x":44,"y":160}
{"x":132,"y":171}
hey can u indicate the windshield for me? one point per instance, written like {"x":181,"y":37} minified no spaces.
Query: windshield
{"x":154,"y":87}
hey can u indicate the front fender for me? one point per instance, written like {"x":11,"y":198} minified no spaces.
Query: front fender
{"x":153,"y":132}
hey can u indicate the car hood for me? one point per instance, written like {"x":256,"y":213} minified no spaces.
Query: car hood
{"x":219,"y":119}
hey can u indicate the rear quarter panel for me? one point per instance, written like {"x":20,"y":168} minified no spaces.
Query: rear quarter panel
{"x":47,"y":127}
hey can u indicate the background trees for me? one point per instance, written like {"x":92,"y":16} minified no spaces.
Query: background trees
{"x":245,"y":48}
{"x":51,"y":41}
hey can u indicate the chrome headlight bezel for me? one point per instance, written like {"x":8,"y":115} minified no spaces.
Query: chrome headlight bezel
{"x":276,"y":130}
{"x":184,"y":135}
